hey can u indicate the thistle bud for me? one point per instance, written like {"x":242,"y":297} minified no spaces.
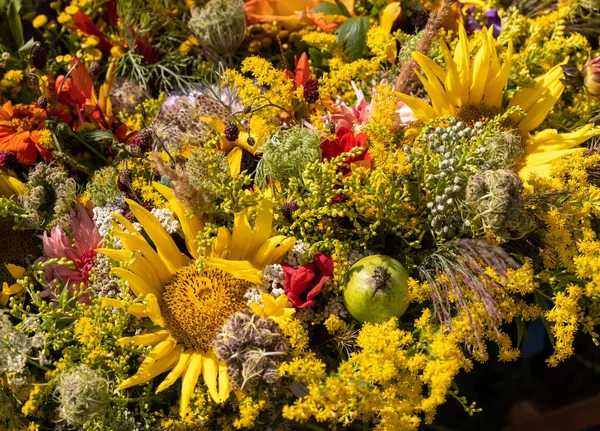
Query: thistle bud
{"x":42,"y":102}
{"x":591,"y":76}
{"x":39,"y":57}
{"x":573,"y":79}
{"x":82,"y":393}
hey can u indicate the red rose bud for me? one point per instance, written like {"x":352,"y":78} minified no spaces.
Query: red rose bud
{"x":591,"y":76}
{"x":303,"y":284}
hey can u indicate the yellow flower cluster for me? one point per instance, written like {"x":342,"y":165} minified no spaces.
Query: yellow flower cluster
{"x":10,"y":84}
{"x":46,"y":139}
{"x":382,"y":44}
{"x":250,"y":408}
{"x":280,"y":90}
{"x":383,"y":142}
{"x":382,"y":381}
{"x":565,"y":316}
{"x":143,"y":111}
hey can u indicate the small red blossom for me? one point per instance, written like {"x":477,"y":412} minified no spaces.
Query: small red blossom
{"x":303,"y":284}
{"x":344,"y":142}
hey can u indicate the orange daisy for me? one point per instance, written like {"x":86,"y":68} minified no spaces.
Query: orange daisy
{"x":20,"y":127}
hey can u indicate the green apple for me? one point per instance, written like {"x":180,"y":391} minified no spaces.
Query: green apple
{"x":377,"y":289}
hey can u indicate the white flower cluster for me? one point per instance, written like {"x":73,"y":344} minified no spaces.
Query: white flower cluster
{"x":102,"y":215}
{"x":253,"y":296}
{"x":103,"y":283}
{"x":166,"y":218}
{"x":299,"y":254}
{"x":335,"y":306}
{"x":273,"y":279}
{"x":16,"y":347}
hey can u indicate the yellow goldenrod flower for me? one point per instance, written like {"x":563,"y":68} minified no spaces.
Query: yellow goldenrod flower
{"x":63,"y":18}
{"x":189,"y":306}
{"x":116,"y":51}
{"x":480,"y":80}
{"x":39,"y":21}
{"x":90,"y":42}
{"x":71,"y":10}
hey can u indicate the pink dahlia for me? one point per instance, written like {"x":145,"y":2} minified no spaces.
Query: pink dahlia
{"x":82,"y":250}
{"x":357,"y":117}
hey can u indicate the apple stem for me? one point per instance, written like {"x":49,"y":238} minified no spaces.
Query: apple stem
{"x":381,"y":277}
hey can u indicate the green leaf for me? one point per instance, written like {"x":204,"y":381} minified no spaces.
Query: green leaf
{"x":343,"y":8}
{"x":98,"y":135}
{"x":14,"y":21}
{"x":327,"y":9}
{"x":353,"y":35}
{"x":541,"y":301}
{"x":521,"y":329}
{"x":27,"y":46}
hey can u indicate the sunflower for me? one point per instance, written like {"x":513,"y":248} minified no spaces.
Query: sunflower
{"x":188,"y":306}
{"x":473,"y":87}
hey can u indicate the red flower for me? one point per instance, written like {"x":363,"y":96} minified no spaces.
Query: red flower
{"x":302,"y":70}
{"x":345,"y":141}
{"x":303,"y":284}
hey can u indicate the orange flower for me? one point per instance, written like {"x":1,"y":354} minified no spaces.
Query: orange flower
{"x":292,"y":14}
{"x":20,"y":127}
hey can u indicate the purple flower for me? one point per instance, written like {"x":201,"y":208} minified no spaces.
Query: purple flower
{"x":470,"y":23}
{"x":492,"y":18}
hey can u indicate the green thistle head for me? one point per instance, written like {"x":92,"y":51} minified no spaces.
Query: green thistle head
{"x":82,"y":394}
{"x":49,"y":197}
{"x":220,"y":26}
{"x":496,"y":198}
{"x":504,"y":149}
{"x":286,"y":153}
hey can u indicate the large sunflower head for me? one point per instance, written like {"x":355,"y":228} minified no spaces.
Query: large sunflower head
{"x":188,"y":305}
{"x":473,"y":87}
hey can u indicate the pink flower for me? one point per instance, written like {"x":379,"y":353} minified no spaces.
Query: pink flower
{"x":303,"y":284}
{"x":591,"y":76}
{"x":359,"y":116}
{"x":82,"y":251}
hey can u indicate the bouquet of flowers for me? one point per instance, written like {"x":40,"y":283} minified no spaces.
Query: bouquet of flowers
{"x":282,"y":214}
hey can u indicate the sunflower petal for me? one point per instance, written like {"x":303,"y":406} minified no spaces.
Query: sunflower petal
{"x":190,"y":224}
{"x":153,"y":310}
{"x":189,"y":381}
{"x":241,"y":237}
{"x":234,"y":160}
{"x":222,"y":244}
{"x":209,"y":373}
{"x":138,"y":310}
{"x":262,"y":227}
{"x":136,"y":283}
{"x":224,"y":387}
{"x":145,"y":339}
{"x":420,"y":109}
{"x":272,"y":250}
{"x":176,"y":372}
{"x":160,"y":359}
{"x":139,"y":244}
{"x":166,"y":247}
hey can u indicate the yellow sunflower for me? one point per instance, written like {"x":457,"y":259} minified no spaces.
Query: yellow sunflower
{"x":189,"y":306}
{"x":235,"y":149}
{"x":477,"y":83}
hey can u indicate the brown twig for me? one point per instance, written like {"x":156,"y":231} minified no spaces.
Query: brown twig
{"x":404,"y":83}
